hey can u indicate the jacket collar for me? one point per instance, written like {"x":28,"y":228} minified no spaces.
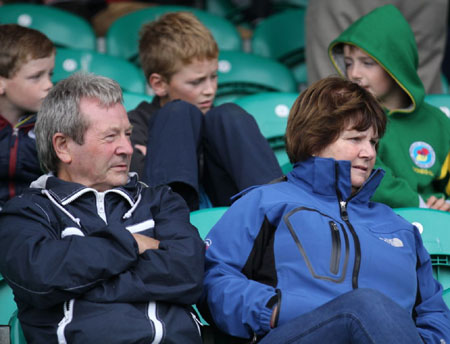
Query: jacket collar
{"x":66,"y":192}
{"x":25,"y":122}
{"x":331,"y":177}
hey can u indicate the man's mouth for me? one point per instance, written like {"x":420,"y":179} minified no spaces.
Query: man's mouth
{"x":120,"y":166}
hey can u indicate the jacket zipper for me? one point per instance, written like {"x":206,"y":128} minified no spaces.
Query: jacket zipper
{"x":344,"y":216}
{"x":335,"y":248}
{"x":357,"y":265}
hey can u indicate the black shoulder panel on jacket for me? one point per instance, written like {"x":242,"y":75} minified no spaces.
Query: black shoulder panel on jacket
{"x":260,"y":265}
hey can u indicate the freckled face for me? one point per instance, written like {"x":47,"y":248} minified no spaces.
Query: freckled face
{"x":195,"y":83}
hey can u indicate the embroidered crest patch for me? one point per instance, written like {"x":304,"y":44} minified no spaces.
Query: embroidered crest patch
{"x":422,"y":154}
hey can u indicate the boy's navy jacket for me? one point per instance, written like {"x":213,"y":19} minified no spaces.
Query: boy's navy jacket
{"x":308,"y":240}
{"x":19,"y":164}
{"x":69,"y":255}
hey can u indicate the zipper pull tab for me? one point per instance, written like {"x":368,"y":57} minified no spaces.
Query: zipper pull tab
{"x":334,"y":226}
{"x":343,"y":209}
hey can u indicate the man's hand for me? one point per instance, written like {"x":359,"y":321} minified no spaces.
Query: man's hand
{"x":145,"y":243}
{"x":438,"y":203}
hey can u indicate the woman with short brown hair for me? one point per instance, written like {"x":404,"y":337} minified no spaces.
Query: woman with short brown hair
{"x":311,"y":259}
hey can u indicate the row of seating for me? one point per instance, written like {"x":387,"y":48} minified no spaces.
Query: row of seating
{"x":279,"y":37}
{"x":234,"y":11}
{"x":239,"y":73}
{"x":271,"y":110}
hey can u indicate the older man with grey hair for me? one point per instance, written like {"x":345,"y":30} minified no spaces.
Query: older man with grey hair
{"x":92,"y":254}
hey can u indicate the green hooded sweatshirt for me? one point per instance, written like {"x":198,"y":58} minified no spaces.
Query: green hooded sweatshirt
{"x":415,"y":150}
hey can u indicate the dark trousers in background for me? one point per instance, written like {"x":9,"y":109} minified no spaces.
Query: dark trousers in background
{"x":223,"y":151}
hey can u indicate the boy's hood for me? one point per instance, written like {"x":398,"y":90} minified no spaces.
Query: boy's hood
{"x":386,"y":36}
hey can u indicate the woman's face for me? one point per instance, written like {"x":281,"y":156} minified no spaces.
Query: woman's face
{"x":359,"y":148}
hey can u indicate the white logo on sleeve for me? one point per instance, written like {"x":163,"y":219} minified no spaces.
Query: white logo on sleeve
{"x":396,"y":242}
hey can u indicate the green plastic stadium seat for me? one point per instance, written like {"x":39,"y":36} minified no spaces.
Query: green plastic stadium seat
{"x":226,"y":9}
{"x":132,"y":100}
{"x":281,"y":36}
{"x":205,"y":219}
{"x":64,"y":28}
{"x":286,"y":167}
{"x":283,"y":159}
{"x":241,"y":74}
{"x":69,"y":61}
{"x":7,"y":304}
{"x":442,"y":101}
{"x":123,"y":35}
{"x":270,"y":111}
{"x":17,"y":336}
{"x":435,"y":228}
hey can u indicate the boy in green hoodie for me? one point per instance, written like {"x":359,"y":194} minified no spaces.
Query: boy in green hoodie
{"x":379,"y":53}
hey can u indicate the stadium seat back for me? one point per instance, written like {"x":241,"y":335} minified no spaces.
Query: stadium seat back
{"x":442,"y":101}
{"x":205,"y":219}
{"x":281,"y":36}
{"x":17,"y":336}
{"x":271,"y":111}
{"x":131,"y":100}
{"x":7,"y":304}
{"x":122,"y":38}
{"x":69,"y":61}
{"x":241,"y":74}
{"x":434,"y":226}
{"x":63,"y":28}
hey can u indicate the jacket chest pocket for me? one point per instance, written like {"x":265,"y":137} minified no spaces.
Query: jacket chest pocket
{"x":321,"y":241}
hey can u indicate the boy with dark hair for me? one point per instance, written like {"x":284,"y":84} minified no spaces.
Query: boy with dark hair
{"x":379,"y":52}
{"x":27,"y":59}
{"x":180,"y":139}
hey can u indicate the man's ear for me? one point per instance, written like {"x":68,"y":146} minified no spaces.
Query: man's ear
{"x":62,"y":149}
{"x":158,"y":84}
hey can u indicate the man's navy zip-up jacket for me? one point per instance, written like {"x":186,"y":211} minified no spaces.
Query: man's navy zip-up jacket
{"x":77,"y":276}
